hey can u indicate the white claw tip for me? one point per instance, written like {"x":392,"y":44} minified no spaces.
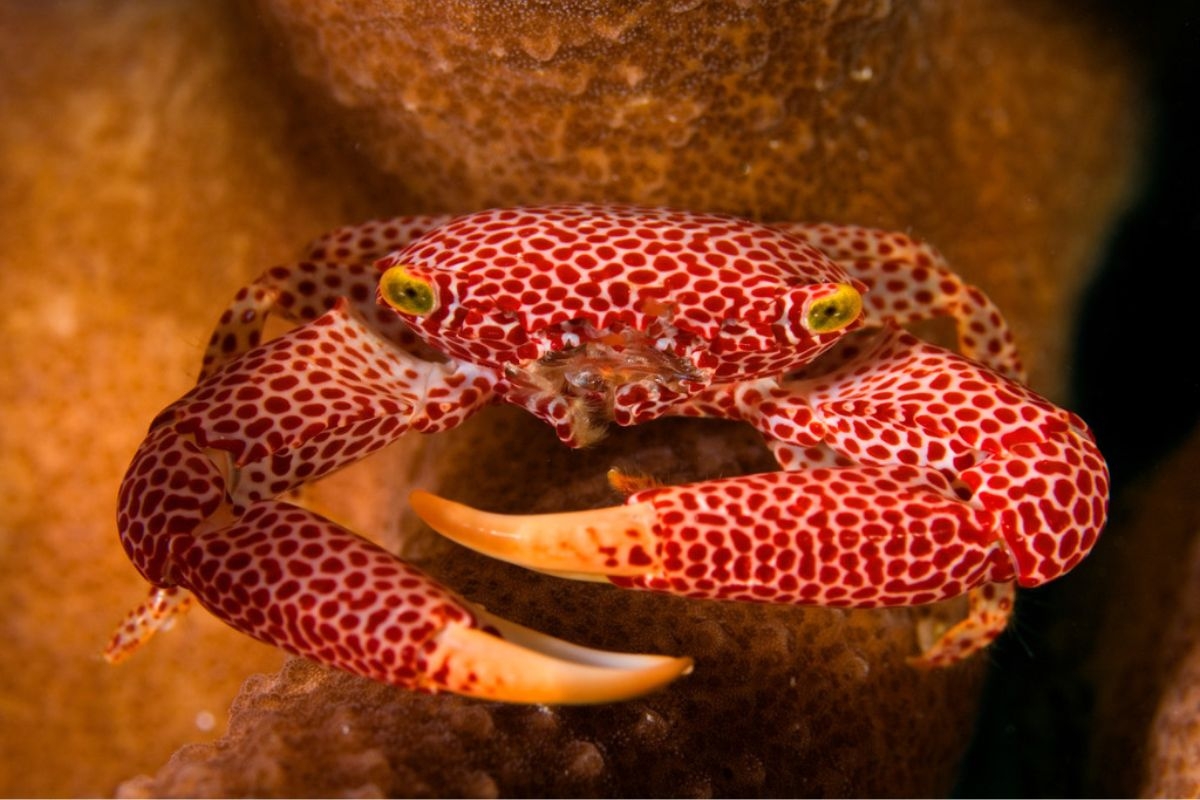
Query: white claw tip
{"x":530,"y":667}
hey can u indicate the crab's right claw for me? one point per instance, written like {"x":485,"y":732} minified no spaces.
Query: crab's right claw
{"x":524,"y":666}
{"x":292,"y":578}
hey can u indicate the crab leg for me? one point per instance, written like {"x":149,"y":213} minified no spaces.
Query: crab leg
{"x":989,"y":610}
{"x":197,"y":512}
{"x":909,"y":280}
{"x":340,"y":264}
{"x":293,"y":579}
{"x":158,"y":612}
{"x":942,"y":500}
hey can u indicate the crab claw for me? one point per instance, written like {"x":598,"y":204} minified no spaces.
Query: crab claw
{"x":530,"y":667}
{"x":522,"y":665}
{"x":294,"y":579}
{"x":780,"y":537}
{"x":618,"y":541}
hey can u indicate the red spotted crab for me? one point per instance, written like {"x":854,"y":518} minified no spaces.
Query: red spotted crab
{"x":909,"y":473}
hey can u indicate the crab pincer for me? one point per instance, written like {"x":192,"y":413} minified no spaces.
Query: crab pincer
{"x":916,"y":496}
{"x":200,"y":518}
{"x":292,"y":578}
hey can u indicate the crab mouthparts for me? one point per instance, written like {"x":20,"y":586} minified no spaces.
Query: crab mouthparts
{"x":591,"y":375}
{"x":602,"y":367}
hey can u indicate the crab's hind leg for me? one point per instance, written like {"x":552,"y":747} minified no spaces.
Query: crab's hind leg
{"x":909,"y":280}
{"x":339,"y":264}
{"x":989,"y":610}
{"x":157,"y":612}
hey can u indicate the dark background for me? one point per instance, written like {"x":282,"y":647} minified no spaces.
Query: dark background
{"x":1136,"y":380}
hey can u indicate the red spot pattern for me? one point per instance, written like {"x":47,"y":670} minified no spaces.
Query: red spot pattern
{"x":925,"y":475}
{"x":853,"y":536}
{"x":291,"y":578}
{"x":909,"y":280}
{"x":916,"y":474}
{"x":171,"y":487}
{"x":320,"y":397}
{"x":516,"y":284}
{"x":286,"y":412}
{"x":338,"y":265}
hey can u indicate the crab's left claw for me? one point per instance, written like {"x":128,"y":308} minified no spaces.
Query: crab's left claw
{"x":780,"y":537}
{"x":527,"y":666}
{"x":322,"y":592}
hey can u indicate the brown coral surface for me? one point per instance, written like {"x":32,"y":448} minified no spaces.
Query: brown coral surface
{"x":990,"y":129}
{"x":153,"y":157}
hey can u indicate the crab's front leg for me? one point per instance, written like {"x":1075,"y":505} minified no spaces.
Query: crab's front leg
{"x":198,"y":513}
{"x":340,"y":264}
{"x":908,"y":281}
{"x":915,"y":475}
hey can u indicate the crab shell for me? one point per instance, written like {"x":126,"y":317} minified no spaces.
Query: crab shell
{"x":722,"y":298}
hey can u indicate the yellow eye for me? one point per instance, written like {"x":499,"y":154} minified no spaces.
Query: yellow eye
{"x":404,"y":292}
{"x":835,"y":311}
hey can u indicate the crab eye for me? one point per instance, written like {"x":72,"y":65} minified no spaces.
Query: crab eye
{"x":407,"y":293}
{"x":835,"y":311}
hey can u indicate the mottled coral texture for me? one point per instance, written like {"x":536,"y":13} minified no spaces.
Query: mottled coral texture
{"x":154,"y":157}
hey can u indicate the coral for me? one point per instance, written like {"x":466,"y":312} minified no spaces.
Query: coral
{"x":1173,"y":762}
{"x":144,"y":171}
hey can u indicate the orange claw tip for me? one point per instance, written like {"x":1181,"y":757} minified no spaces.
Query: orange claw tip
{"x":618,"y":541}
{"x":530,"y":667}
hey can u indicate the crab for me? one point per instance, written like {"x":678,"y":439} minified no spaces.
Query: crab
{"x":909,"y":473}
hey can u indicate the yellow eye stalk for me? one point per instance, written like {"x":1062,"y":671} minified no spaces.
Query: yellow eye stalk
{"x":834,"y":312}
{"x":407,"y":293}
